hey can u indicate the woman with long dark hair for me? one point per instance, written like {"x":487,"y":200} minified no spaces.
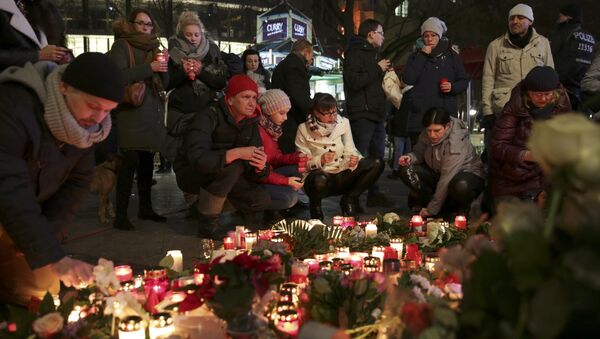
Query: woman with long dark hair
{"x":140,"y":130}
{"x":253,"y":67}
{"x":443,"y":171}
{"x":335,"y":166}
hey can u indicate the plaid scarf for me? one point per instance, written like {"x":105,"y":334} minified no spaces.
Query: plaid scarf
{"x":321,"y":129}
{"x":272,"y":128}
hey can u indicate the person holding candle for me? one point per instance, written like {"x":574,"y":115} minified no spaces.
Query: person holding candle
{"x":253,"y":67}
{"x":437,"y":74}
{"x":195,"y":76}
{"x":514,"y":173}
{"x":283,"y":181}
{"x":222,"y":157}
{"x":141,"y":130}
{"x":335,"y":165}
{"x":443,"y":172}
{"x":50,"y":119}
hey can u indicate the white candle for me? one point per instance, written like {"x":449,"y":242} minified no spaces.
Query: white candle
{"x":378,"y":252}
{"x":74,"y":316}
{"x":371,"y":230}
{"x":132,"y":328}
{"x":250,"y":240}
{"x":177,"y":260}
{"x":124,"y":272}
{"x":300,"y":268}
{"x":161,"y":325}
{"x":398,"y":245}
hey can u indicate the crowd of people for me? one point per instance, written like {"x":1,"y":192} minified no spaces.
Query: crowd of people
{"x":256,"y":140}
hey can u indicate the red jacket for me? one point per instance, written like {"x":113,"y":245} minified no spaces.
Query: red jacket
{"x":509,"y":174}
{"x":276,"y":158}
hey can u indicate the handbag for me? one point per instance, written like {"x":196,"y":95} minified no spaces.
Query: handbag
{"x":391,"y":88}
{"x":134,"y":92}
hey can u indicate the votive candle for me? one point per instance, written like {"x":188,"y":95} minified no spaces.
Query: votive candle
{"x":228,"y":243}
{"x":123,"y":272}
{"x":460,"y":222}
{"x":177,"y":260}
{"x":371,"y":230}
{"x":161,"y":325}
{"x":416,"y":222}
{"x":132,"y":327}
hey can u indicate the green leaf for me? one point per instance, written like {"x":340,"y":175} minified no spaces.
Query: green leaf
{"x":47,"y":305}
{"x":445,"y":316}
{"x":550,"y":308}
{"x":166,"y":262}
{"x":22,"y":318}
{"x":529,"y":258}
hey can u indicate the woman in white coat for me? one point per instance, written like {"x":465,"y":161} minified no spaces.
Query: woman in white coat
{"x":335,"y":166}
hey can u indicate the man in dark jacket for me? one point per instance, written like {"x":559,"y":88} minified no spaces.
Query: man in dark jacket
{"x":291,"y":76}
{"x":572,"y":50}
{"x":222,"y":157}
{"x":365,"y":99}
{"x":49,"y":120}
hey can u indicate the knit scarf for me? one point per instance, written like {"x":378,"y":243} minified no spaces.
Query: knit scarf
{"x":320,"y":128}
{"x":60,"y":121}
{"x":542,"y":113}
{"x":521,"y":41}
{"x":145,"y":42}
{"x":272,"y":128}
{"x":180,"y":49}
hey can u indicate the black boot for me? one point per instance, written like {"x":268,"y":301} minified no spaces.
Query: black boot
{"x":315,"y":210}
{"x":348,"y":207}
{"x":209,"y":227}
{"x":359,"y":209}
{"x":145,"y":210}
{"x":123,"y":223}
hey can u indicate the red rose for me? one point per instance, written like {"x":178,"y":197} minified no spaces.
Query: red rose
{"x":245,"y":261}
{"x":417,"y":317}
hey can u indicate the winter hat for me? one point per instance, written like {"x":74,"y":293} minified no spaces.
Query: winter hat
{"x":274,"y":100}
{"x":96,"y":74}
{"x":434,"y":25}
{"x":541,"y":79}
{"x":572,"y":10}
{"x":239,"y":83}
{"x":522,"y":10}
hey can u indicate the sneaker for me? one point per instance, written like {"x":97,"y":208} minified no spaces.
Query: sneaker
{"x":378,"y":200}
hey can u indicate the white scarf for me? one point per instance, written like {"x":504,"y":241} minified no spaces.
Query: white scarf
{"x":60,"y":121}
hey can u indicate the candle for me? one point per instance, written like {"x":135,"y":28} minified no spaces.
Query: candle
{"x":155,"y":280}
{"x":138,"y":281}
{"x":338,"y":220}
{"x":337,"y":263}
{"x":228,"y":243}
{"x":343,"y":253}
{"x":347,"y":269}
{"x":177,"y":260}
{"x":132,"y":327}
{"x":356,"y":260}
{"x":326,"y":265}
{"x":123,"y":272}
{"x":378,"y":252}
{"x":299,"y":272}
{"x":370,"y":230}
{"x":161,"y":325}
{"x":265,"y":234}
{"x":288,"y":322}
{"x":398,"y":245}
{"x":198,"y":278}
{"x":128,"y":286}
{"x":240,"y":237}
{"x":416,"y":222}
{"x":161,"y":57}
{"x":289,"y":297}
{"x":390,"y":253}
{"x":75,"y":314}
{"x":286,"y":306}
{"x":313,"y":265}
{"x":290,"y":287}
{"x":250,"y":240}
{"x":460,"y":222}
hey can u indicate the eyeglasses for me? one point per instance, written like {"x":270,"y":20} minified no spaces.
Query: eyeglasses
{"x":142,"y":23}
{"x":328,"y":114}
{"x":378,"y":32}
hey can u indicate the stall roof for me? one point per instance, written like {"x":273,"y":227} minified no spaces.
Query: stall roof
{"x":284,"y":8}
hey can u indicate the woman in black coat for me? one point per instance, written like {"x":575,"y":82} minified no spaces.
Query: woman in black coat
{"x":437,"y":74}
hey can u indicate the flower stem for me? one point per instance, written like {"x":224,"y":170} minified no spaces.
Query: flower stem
{"x":555,"y":202}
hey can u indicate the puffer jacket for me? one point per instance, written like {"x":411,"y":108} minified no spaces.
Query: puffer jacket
{"x":424,"y":72}
{"x":276,"y":158}
{"x":451,"y":155}
{"x":505,"y":65}
{"x":362,"y":82}
{"x":591,"y":80}
{"x":339,"y":141}
{"x":43,"y":182}
{"x":509,"y":174}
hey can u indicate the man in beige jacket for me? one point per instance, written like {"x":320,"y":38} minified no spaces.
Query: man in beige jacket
{"x":508,"y":60}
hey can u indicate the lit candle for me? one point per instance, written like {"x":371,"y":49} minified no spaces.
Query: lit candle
{"x":299,"y":272}
{"x":343,"y":252}
{"x":371,"y":264}
{"x":74,"y":316}
{"x":416,"y":222}
{"x":228,"y":243}
{"x":370,"y":230}
{"x":240,"y":237}
{"x":290,"y":288}
{"x":177,"y":260}
{"x":250,"y":240}
{"x":313,"y":265}
{"x":161,"y":325}
{"x":123,"y":272}
{"x":132,"y":327}
{"x":286,"y":306}
{"x":460,"y":222}
{"x":198,"y":278}
{"x":326,"y":265}
{"x":288,"y":322}
{"x":338,"y":220}
{"x":378,"y":252}
{"x":138,"y":281}
{"x":398,"y":245}
{"x":356,"y":260}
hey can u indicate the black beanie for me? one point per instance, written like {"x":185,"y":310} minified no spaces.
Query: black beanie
{"x":96,"y":74}
{"x":572,"y":10}
{"x":541,"y":79}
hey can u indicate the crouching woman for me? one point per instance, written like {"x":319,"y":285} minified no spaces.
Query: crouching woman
{"x":443,"y":171}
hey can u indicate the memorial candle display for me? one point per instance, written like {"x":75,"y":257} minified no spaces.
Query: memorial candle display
{"x":177,"y":260}
{"x":370,"y":230}
{"x":123,"y":272}
{"x":460,"y":222}
{"x":416,"y":222}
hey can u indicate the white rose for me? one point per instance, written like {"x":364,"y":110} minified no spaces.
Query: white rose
{"x":105,"y":277}
{"x":390,"y":218}
{"x":48,"y":325}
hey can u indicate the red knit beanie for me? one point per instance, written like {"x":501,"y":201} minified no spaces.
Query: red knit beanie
{"x":239,"y":83}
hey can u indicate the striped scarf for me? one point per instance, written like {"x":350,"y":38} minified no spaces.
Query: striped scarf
{"x":321,"y":129}
{"x":272,"y":128}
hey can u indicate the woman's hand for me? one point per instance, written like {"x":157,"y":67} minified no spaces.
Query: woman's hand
{"x":404,"y":160}
{"x":53,"y":53}
{"x":528,"y":156}
{"x":353,"y":161}
{"x":446,"y":87}
{"x":159,"y":66}
{"x":424,"y":212}
{"x":427,"y":49}
{"x":327,"y":157}
{"x":259,"y":159}
{"x":73,"y":272}
{"x":295,"y":183}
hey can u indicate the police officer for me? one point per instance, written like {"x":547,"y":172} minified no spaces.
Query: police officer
{"x":572,"y":50}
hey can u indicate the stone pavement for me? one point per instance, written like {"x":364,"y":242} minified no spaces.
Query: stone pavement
{"x":147,"y":244}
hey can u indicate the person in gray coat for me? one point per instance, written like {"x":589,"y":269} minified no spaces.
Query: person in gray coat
{"x":140,"y":130}
{"x":443,"y":172}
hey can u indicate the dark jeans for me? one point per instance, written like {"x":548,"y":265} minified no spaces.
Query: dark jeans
{"x":230,"y":183}
{"x":462,"y":189}
{"x":282,"y":196}
{"x":142,"y":163}
{"x":319,"y":185}
{"x":369,"y":139}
